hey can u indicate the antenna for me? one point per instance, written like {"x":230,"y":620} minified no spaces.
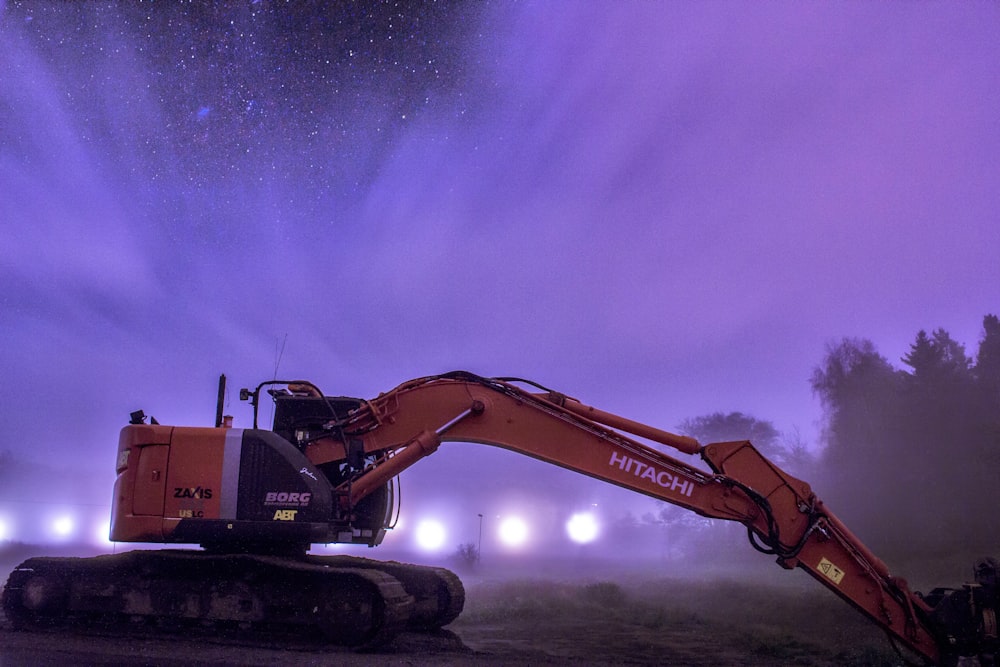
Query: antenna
{"x":278,"y":354}
{"x":219,"y":402}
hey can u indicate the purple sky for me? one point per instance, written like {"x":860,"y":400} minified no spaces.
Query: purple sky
{"x":664,"y":209}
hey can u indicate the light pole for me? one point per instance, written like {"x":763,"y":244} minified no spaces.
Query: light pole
{"x":479,"y":547}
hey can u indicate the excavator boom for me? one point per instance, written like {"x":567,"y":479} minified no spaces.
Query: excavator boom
{"x":783,"y":515}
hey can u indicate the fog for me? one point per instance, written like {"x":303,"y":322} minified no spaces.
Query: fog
{"x":667,"y":210}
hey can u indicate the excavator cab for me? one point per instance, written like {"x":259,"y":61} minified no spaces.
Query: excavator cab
{"x":302,"y":415}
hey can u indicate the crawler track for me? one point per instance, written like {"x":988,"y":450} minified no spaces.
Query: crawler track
{"x":438,"y":594}
{"x":358,"y":607}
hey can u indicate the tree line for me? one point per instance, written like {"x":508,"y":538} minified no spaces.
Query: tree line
{"x":910,"y":456}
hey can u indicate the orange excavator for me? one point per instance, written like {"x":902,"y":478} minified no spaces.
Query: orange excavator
{"x":257,"y":499}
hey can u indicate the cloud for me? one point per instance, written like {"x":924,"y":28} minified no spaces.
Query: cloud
{"x":67,"y":234}
{"x":666,"y":208}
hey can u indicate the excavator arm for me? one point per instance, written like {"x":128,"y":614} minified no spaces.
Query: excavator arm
{"x":784,"y":518}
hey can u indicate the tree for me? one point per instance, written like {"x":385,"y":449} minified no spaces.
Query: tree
{"x":851,"y":365}
{"x":860,"y":392}
{"x":937,"y":358}
{"x":857,"y":387}
{"x":796,"y":457}
{"x":917,"y":446}
{"x":467,"y":555}
{"x":720,"y":427}
{"x":986,"y":374}
{"x":987,"y":369}
{"x":940,"y":397}
{"x":922,"y":358}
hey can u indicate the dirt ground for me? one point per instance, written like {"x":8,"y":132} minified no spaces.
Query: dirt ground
{"x":543,"y":613}
{"x":542,"y":622}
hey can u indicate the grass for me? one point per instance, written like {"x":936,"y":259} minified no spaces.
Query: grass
{"x":672,"y":622}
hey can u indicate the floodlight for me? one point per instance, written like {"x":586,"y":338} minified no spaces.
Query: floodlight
{"x":62,"y":526}
{"x":582,"y":528}
{"x":102,"y":534}
{"x":513,"y":531}
{"x":430,"y":535}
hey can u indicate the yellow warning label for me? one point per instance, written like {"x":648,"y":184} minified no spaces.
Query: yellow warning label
{"x":832,"y":572}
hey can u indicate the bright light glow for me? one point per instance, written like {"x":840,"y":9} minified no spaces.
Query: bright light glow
{"x":63,"y":526}
{"x":582,"y":528}
{"x":102,"y":534}
{"x":3,"y":530}
{"x":430,"y":535}
{"x":513,"y":531}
